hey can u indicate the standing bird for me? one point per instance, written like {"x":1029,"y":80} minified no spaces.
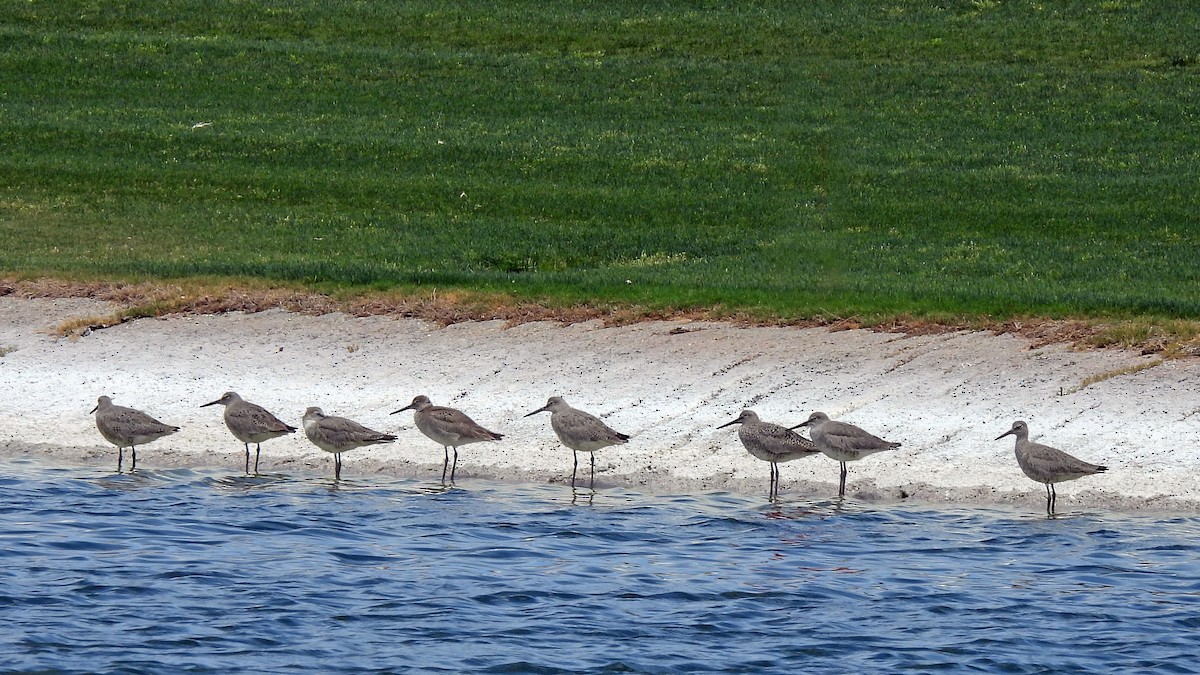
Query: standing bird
{"x":843,"y":442}
{"x":250,"y":423}
{"x":338,"y":434}
{"x":1046,"y":464}
{"x":771,"y":443}
{"x":127,"y":428}
{"x":580,"y":432}
{"x":449,"y":427}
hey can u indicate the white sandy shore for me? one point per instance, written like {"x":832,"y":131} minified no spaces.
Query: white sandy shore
{"x":670,"y":385}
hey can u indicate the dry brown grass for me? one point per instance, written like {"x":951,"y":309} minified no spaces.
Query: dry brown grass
{"x":1169,"y":338}
{"x":1117,"y":372}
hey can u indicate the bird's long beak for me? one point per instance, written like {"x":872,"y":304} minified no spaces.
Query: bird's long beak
{"x":94,"y":409}
{"x":1005,"y":434}
{"x":407,"y":407}
{"x":213,"y":403}
{"x":802,"y":424}
{"x":729,"y":424}
{"x":541,"y":409}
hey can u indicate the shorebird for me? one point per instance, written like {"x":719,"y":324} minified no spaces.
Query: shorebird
{"x":250,"y":423}
{"x":447,"y":426}
{"x":338,"y":434}
{"x":843,"y":442}
{"x":127,"y":428}
{"x":771,"y":443}
{"x":580,"y":431}
{"x":1046,"y":464}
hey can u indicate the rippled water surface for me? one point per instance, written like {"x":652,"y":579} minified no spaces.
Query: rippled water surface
{"x":186,"y":571}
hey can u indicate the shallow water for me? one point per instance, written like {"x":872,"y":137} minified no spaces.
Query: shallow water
{"x":195,"y":571}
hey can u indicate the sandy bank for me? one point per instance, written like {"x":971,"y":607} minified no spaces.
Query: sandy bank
{"x":670,"y":385}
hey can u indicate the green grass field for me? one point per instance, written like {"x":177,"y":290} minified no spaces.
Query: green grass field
{"x":788,"y":159}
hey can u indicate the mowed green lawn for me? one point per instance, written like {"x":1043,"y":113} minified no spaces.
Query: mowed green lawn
{"x":790,"y":159}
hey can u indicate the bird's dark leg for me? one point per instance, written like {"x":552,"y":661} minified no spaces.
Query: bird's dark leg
{"x":455,"y":467}
{"x":133,"y":463}
{"x":337,"y":466}
{"x":576,"y":469}
{"x":842,"y":484}
{"x":592,"y":483}
{"x":445,"y":462}
{"x":247,"y":445}
{"x":257,"y":451}
{"x":1053,"y":498}
{"x":120,"y":456}
{"x":774,"y":481}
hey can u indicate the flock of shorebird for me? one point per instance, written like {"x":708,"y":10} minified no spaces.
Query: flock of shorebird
{"x":576,"y":429}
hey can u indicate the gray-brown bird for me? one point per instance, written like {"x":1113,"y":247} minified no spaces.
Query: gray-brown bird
{"x":771,"y":443}
{"x":1047,"y":465}
{"x":448,"y":427}
{"x":127,"y":428}
{"x":338,"y":434}
{"x":842,"y":442}
{"x":250,"y":423}
{"x":580,"y":431}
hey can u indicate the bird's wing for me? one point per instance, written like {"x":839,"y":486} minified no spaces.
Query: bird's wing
{"x":259,"y":417}
{"x":137,"y":423}
{"x":457,"y":422}
{"x":1051,"y":461}
{"x":578,"y":424}
{"x":347,"y":430}
{"x":450,"y":416}
{"x":786,"y":436}
{"x":847,"y":437}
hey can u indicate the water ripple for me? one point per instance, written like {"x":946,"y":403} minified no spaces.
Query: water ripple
{"x":183,"y":570}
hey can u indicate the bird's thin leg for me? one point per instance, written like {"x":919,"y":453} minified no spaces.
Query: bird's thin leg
{"x":247,"y":445}
{"x":133,"y":463}
{"x":1048,"y":511}
{"x":1053,"y":498}
{"x":445,"y":462}
{"x":774,"y":481}
{"x":592,"y":483}
{"x":337,"y":466}
{"x":455,"y":467}
{"x":576,"y":469}
{"x":842,"y":484}
{"x":257,"y":452}
{"x":120,"y":456}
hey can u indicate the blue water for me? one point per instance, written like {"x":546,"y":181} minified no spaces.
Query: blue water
{"x":203,"y":571}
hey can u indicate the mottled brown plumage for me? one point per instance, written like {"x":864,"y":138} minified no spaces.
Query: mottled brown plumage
{"x":448,"y":427}
{"x":250,"y":423}
{"x":127,"y":428}
{"x":771,"y":443}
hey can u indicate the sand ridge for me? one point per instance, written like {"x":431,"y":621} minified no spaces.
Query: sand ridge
{"x":669,"y":384}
